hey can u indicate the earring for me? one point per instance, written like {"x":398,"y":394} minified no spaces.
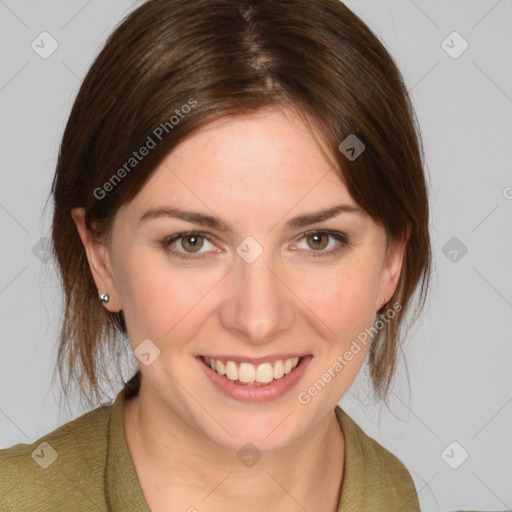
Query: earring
{"x":104,"y":297}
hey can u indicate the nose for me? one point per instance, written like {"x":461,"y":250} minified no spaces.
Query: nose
{"x":258,"y":306}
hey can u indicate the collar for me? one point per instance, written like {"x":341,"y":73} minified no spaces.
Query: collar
{"x":355,"y":484}
{"x":122,"y":488}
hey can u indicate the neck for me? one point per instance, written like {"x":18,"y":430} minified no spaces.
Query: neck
{"x":178,"y":467}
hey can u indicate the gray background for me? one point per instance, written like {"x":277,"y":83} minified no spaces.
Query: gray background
{"x":458,"y":358}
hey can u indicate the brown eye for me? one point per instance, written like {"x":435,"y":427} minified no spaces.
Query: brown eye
{"x":317,"y":241}
{"x":192,"y":243}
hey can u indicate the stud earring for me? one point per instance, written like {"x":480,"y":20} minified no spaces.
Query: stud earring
{"x":104,"y":297}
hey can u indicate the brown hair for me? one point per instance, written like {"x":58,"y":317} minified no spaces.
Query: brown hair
{"x":228,"y":57}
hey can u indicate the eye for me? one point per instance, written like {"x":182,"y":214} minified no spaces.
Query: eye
{"x":190,"y":245}
{"x":318,"y":241}
{"x":187,"y":245}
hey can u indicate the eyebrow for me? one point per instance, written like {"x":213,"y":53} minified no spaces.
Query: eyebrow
{"x":214,"y":222}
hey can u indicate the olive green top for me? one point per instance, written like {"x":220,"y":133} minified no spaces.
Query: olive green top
{"x":85,"y":465}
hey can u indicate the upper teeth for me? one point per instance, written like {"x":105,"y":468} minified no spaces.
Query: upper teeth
{"x":249,"y":373}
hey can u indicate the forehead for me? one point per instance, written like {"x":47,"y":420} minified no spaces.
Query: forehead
{"x":260,"y":164}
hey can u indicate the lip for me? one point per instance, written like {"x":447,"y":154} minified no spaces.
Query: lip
{"x":256,"y":394}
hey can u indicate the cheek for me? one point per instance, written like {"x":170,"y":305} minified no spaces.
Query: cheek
{"x":344,"y":298}
{"x":162,"y":301}
{"x":149,"y":301}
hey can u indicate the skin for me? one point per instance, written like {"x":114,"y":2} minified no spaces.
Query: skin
{"x":254,"y":172}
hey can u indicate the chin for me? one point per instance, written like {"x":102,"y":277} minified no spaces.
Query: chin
{"x":263,"y":434}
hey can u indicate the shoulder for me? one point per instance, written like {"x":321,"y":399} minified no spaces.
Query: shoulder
{"x":371,"y":465}
{"x":59,"y":471}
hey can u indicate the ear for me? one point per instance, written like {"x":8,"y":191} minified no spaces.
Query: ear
{"x":392,"y":268}
{"x":99,"y":261}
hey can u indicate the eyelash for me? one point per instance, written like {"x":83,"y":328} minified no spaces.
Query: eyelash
{"x":340,"y":237}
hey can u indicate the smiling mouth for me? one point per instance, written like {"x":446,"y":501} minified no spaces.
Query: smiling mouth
{"x":253,"y":375}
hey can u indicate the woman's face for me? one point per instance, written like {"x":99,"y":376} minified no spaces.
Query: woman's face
{"x":254,"y":286}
